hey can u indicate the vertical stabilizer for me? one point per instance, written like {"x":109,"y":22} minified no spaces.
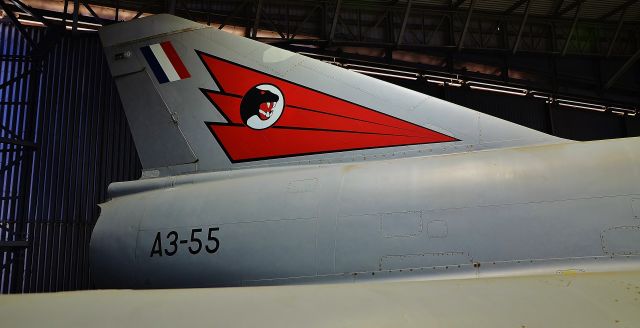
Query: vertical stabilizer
{"x":198,"y":98}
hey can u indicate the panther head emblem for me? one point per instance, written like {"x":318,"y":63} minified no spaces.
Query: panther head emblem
{"x":261,"y":106}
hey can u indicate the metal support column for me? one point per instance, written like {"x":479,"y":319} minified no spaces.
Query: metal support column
{"x":625,"y":67}
{"x":466,"y":25}
{"x":573,"y":28}
{"x":615,"y":36}
{"x":522,"y":25}
{"x":404,"y":23}
{"x":256,"y":21}
{"x":336,"y":14}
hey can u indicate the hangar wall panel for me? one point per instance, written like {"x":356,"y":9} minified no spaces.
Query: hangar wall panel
{"x":16,"y":84}
{"x":587,"y":125}
{"x":83,"y":144}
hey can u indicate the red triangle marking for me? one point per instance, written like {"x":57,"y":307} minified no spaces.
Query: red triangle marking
{"x":300,"y":118}
{"x":237,"y":80}
{"x":312,"y":122}
{"x":244,"y":144}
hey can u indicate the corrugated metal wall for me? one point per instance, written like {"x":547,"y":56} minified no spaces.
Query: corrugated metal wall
{"x":83,"y":142}
{"x":14,"y":94}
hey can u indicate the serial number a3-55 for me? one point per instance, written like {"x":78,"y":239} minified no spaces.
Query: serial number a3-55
{"x":195,"y":245}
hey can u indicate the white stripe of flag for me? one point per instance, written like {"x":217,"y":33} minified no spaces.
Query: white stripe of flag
{"x":166,"y":65}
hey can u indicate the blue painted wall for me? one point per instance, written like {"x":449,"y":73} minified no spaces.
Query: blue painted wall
{"x":84,"y":144}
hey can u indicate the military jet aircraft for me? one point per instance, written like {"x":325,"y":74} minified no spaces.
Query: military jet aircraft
{"x":263,"y":167}
{"x":266,"y":167}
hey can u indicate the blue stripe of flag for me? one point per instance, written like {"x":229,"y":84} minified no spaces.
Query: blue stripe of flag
{"x":155,"y":65}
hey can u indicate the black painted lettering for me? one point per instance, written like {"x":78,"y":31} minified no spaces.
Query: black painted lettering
{"x":196,"y":240}
{"x":215,"y":240}
{"x":157,"y":246}
{"x":173,"y":243}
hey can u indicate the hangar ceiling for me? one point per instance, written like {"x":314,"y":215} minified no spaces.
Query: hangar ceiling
{"x":584,"y":50}
{"x":563,"y":27}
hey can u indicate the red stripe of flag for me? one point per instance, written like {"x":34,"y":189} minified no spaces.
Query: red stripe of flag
{"x":175,"y":60}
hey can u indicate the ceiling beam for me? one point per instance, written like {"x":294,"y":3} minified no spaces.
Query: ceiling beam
{"x":514,"y":7}
{"x":256,"y":21}
{"x":615,"y":36}
{"x":577,"y":3}
{"x":522,"y":25}
{"x":622,"y":7}
{"x":381,"y":18}
{"x":76,"y":10}
{"x":273,"y":24}
{"x":332,"y":32}
{"x":625,"y":67}
{"x":466,"y":25}
{"x":573,"y":28}
{"x":404,"y":22}
{"x":86,"y":5}
{"x":555,"y":8}
{"x":458,"y":3}
{"x":14,"y":19}
{"x":306,"y":18}
{"x":233,"y":13}
{"x":25,"y":8}
{"x":138,"y":14}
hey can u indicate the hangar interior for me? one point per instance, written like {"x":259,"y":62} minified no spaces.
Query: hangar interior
{"x":565,"y":67}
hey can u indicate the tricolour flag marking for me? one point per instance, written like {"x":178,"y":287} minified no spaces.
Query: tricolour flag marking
{"x":165,"y":62}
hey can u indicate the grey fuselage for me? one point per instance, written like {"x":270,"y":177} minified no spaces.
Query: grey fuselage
{"x":568,"y":206}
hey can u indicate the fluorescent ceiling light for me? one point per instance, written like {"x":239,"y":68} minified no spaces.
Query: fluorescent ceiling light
{"x":69,"y":27}
{"x":490,"y":85}
{"x":79,"y":22}
{"x":383,"y":74}
{"x":30,"y":22}
{"x":580,"y":106}
{"x":382,"y":69}
{"x":520,"y":93}
{"x":436,"y":81}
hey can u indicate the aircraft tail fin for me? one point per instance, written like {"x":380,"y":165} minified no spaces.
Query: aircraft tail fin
{"x":198,"y":98}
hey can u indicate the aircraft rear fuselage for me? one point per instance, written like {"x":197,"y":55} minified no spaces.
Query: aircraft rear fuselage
{"x":571,"y":206}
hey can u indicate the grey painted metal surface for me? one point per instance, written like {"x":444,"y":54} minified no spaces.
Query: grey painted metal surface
{"x":498,"y":200}
{"x":498,"y":212}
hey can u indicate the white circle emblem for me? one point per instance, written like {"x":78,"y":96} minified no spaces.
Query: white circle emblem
{"x":262,"y":106}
